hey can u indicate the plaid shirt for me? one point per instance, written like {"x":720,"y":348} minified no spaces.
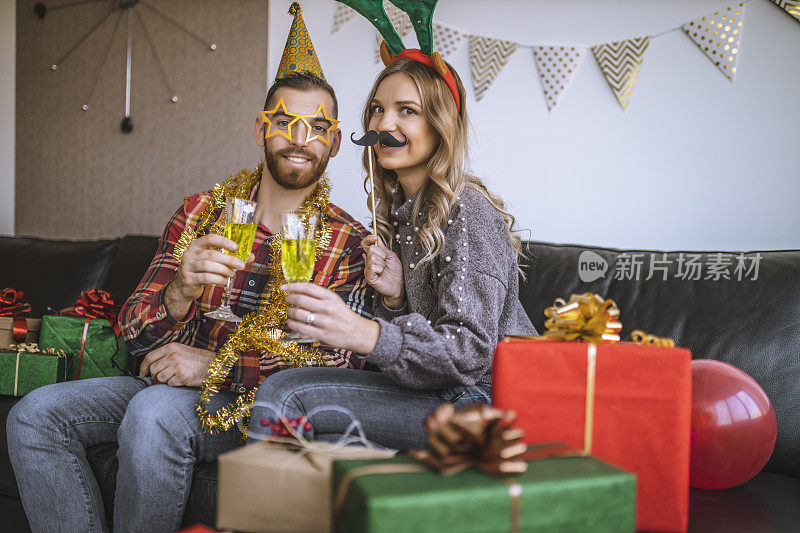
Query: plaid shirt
{"x":146,"y":325}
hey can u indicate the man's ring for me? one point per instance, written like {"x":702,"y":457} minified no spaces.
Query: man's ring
{"x":310,"y":318}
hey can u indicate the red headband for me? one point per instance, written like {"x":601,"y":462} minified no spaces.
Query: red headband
{"x":415,"y":54}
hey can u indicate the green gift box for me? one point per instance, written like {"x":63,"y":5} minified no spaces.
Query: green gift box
{"x":556,"y":494}
{"x":22,"y":371}
{"x":95,"y":348}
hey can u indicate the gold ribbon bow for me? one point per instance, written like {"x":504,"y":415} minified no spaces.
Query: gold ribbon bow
{"x":588,"y":317}
{"x":585,"y":317}
{"x":477,"y":435}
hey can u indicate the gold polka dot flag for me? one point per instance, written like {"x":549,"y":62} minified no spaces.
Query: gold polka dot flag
{"x":446,"y":40}
{"x":790,"y":6}
{"x":718,"y":35}
{"x":620,"y":62}
{"x":400,"y":21}
{"x":557,"y":66}
{"x":298,"y":54}
{"x":341,"y":16}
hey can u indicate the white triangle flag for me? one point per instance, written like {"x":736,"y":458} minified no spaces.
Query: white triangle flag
{"x":718,"y":35}
{"x":446,"y":40}
{"x":341,"y":16}
{"x":557,"y":66}
{"x":487,"y":57}
{"x":620,"y":62}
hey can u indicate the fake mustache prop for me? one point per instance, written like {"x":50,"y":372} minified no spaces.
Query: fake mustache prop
{"x":372,"y":137}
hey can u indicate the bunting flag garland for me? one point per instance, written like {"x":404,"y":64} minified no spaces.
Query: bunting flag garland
{"x":557,"y":66}
{"x":400,"y":21}
{"x":445,"y":39}
{"x":717,"y":35}
{"x":790,"y":6}
{"x":487,"y":58}
{"x":620,"y":62}
{"x":341,"y":16}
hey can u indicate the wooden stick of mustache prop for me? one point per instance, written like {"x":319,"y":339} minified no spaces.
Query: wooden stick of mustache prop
{"x":370,"y":139}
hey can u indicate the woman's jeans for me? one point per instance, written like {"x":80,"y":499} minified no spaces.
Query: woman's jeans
{"x":160,"y":439}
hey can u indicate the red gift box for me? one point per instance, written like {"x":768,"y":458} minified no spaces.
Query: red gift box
{"x":638,"y":417}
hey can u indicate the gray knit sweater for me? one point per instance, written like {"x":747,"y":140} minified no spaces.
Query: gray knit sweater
{"x":458,"y":306}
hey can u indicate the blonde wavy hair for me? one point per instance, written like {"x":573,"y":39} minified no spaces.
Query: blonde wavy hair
{"x":447,"y":177}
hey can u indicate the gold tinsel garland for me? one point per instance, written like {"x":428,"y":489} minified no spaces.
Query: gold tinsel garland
{"x":258,"y":330}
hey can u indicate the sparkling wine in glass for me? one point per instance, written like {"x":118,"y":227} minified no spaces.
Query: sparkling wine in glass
{"x":241,"y":220}
{"x":298,"y":249}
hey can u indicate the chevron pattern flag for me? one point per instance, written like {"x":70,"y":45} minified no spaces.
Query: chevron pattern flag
{"x":717,"y":35}
{"x":341,"y":16}
{"x":620,"y":62}
{"x":446,"y":40}
{"x":557,"y":66}
{"x":790,"y":6}
{"x":487,"y":57}
{"x":400,"y":21}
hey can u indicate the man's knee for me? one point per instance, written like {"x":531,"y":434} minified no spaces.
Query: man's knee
{"x":32,"y":413}
{"x":153,"y":416}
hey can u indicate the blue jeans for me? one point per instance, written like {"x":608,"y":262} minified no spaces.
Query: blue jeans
{"x":159,"y":438}
{"x":390,"y":415}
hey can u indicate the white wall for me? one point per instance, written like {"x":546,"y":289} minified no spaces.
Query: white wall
{"x":694,"y":163}
{"x":8,"y":50}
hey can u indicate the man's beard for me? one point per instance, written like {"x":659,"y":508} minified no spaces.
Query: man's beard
{"x":294,"y":178}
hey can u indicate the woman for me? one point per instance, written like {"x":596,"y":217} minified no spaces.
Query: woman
{"x":444,"y":269}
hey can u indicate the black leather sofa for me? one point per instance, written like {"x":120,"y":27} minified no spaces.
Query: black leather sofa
{"x":753,"y":324}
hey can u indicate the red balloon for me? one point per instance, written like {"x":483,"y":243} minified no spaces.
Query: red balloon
{"x":733,"y":426}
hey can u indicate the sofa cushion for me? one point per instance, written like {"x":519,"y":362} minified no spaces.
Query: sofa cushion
{"x":752,"y":324}
{"x":53,"y":273}
{"x":133,"y":256}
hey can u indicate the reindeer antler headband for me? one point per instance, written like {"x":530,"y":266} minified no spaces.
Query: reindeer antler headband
{"x":392,"y":48}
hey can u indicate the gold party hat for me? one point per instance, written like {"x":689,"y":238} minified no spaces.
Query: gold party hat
{"x":299,"y":54}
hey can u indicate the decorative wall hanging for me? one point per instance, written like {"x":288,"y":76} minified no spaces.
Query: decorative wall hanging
{"x":130,"y":9}
{"x":718,"y":35}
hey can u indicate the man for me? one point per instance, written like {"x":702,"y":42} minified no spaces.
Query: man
{"x":154,"y":420}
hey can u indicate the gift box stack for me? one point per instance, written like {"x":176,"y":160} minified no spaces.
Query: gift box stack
{"x":80,"y":342}
{"x":586,"y":433}
{"x":478,"y":476}
{"x":627,"y":403}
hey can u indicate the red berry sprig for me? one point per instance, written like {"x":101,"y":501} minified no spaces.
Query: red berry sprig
{"x":280,"y":427}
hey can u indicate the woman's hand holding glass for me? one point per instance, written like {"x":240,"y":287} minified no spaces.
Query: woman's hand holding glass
{"x":334,"y":323}
{"x":384,"y":271}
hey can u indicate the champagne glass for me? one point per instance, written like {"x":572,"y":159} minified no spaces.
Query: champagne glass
{"x":241,"y":220}
{"x":298,"y":249}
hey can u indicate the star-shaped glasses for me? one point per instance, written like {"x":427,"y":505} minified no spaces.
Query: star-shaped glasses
{"x":280,"y":121}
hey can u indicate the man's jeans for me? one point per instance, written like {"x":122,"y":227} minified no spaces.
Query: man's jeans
{"x":159,"y":437}
{"x":390,"y":415}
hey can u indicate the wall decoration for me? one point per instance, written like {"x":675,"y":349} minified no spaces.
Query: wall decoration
{"x":620,"y":62}
{"x":129,"y":9}
{"x":556,"y":66}
{"x":341,"y":16}
{"x":718,"y":35}
{"x":487,"y":58}
{"x":790,"y":6}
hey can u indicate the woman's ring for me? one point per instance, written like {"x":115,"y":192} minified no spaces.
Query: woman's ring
{"x":310,"y":318}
